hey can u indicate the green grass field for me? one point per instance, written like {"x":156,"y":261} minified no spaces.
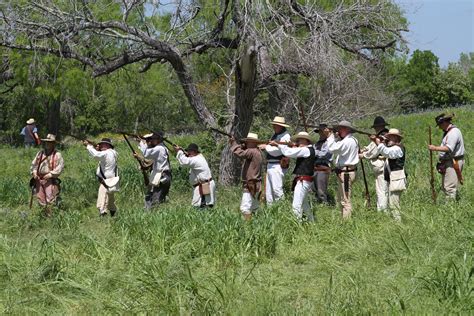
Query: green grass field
{"x":181,"y":261}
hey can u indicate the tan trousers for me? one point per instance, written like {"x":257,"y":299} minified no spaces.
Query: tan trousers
{"x":344,"y":198}
{"x":394,"y":204}
{"x":105,"y":200}
{"x":449,"y":180}
{"x":381,"y":189}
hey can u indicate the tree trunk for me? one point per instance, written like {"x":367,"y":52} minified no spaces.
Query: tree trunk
{"x":54,"y":115}
{"x":245,"y":79}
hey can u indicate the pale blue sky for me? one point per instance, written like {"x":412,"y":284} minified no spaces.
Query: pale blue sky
{"x":446,"y":27}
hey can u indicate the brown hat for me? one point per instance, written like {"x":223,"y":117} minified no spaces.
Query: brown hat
{"x":443,"y":117}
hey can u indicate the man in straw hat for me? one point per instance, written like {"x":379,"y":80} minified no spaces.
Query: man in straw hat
{"x":200,"y":177}
{"x":393,"y":170}
{"x":303,"y":182}
{"x":451,"y":155}
{"x":30,"y":134}
{"x":152,"y":148}
{"x":322,"y":165}
{"x":346,"y":152}
{"x":106,"y":173}
{"x":251,"y":173}
{"x":277,"y":164}
{"x":371,"y":152}
{"x":46,"y":168}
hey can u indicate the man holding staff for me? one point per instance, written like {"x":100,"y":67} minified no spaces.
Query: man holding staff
{"x":46,"y":169}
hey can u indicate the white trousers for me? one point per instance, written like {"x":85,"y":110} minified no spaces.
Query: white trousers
{"x":248,"y":205}
{"x":105,"y":200}
{"x":274,"y":183}
{"x":300,"y":200}
{"x":381,"y":189}
{"x":209,"y":199}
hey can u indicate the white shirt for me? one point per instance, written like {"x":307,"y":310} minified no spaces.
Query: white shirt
{"x":274,"y":150}
{"x":346,"y":150}
{"x":392,"y":152}
{"x":159,"y":154}
{"x":107,"y":161}
{"x":295,"y":152}
{"x":455,"y":142}
{"x":199,"y":171}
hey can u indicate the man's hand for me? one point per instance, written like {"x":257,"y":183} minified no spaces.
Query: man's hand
{"x":432,"y":147}
{"x":361,"y":156}
{"x":35,"y":175}
{"x":135,"y":155}
{"x":273,"y":143}
{"x":47,"y":176}
{"x":85,"y":142}
{"x":176,"y":148}
{"x":231,"y":140}
{"x":377,"y":141}
{"x":262,"y":146}
{"x":373,"y":138}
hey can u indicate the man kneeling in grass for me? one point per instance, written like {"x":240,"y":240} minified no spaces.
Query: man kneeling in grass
{"x":106,"y":174}
{"x":251,"y":173}
{"x":199,"y":175}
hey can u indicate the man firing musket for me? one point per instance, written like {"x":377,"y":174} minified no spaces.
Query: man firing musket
{"x":200,"y":177}
{"x":145,"y":164}
{"x":451,"y":155}
{"x":152,"y":148}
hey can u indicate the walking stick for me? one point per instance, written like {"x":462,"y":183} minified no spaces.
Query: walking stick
{"x":367,"y":195}
{"x":432,"y":181}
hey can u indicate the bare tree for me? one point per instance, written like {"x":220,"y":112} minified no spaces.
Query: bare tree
{"x":267,"y":39}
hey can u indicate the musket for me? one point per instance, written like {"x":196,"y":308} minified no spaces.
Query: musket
{"x":367,"y":194}
{"x":432,"y":180}
{"x":260,"y":142}
{"x":143,"y":166}
{"x":334,"y":129}
{"x":82,"y":139}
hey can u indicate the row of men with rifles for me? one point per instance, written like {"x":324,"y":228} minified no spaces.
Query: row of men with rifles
{"x":337,"y":150}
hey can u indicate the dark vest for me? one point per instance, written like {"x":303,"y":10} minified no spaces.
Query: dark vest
{"x":270,"y":157}
{"x":29,"y":137}
{"x":395,"y":164}
{"x":305,"y":166}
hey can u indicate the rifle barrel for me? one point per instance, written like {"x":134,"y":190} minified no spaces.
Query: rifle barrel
{"x":432,"y":181}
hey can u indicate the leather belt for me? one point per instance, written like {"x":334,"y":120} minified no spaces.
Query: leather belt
{"x":345,"y":169}
{"x":459,"y":157}
{"x":199,"y":183}
{"x":304,"y":178}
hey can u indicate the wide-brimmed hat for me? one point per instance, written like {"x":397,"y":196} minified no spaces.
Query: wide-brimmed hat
{"x":302,"y":135}
{"x":193,"y":147}
{"x":394,"y":132}
{"x":321,"y":126}
{"x":107,"y":141}
{"x":344,"y":124}
{"x":379,"y":121}
{"x":280,"y":120}
{"x":443,"y":117}
{"x":153,"y":136}
{"x":51,"y":138}
{"x":250,"y":137}
{"x":30,"y":121}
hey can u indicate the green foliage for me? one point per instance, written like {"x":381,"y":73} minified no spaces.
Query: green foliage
{"x":179,"y":260}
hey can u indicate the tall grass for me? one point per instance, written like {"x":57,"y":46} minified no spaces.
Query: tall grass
{"x":180,"y":261}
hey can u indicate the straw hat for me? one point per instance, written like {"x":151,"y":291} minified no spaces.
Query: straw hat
{"x":147,"y":136}
{"x":394,"y":132}
{"x":50,"y":138}
{"x":106,"y":141}
{"x":250,"y":137}
{"x":280,"y":120}
{"x":30,"y":121}
{"x":302,"y":135}
{"x":153,"y":136}
{"x":345,"y":124}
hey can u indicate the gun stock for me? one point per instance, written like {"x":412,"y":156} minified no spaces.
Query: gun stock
{"x":367,"y":194}
{"x":144,"y":168}
{"x":432,"y":180}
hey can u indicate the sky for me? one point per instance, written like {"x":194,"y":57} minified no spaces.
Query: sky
{"x":446,"y":27}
